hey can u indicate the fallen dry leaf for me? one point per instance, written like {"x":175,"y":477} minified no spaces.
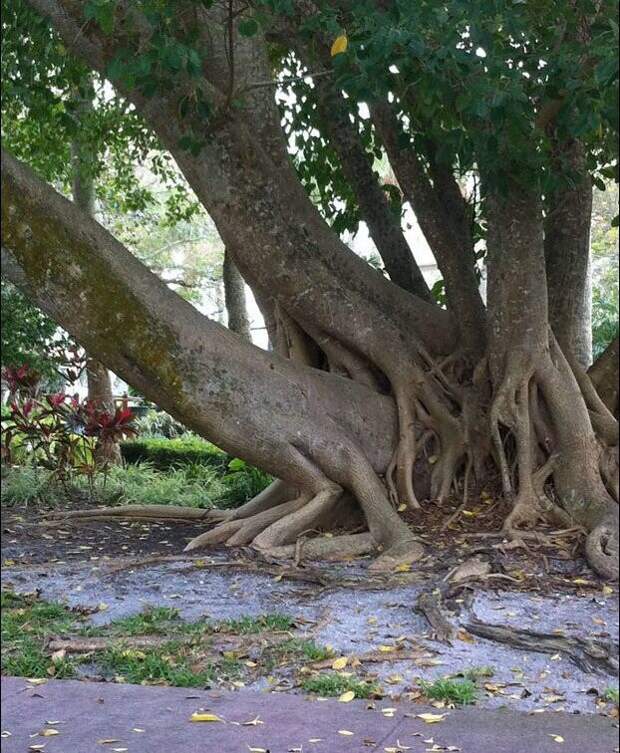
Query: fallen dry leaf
{"x":200,"y":716}
{"x":431,"y":718}
{"x":347,"y":697}
{"x":345,"y":732}
{"x":340,"y":663}
{"x":49,"y":732}
{"x":557,"y":738}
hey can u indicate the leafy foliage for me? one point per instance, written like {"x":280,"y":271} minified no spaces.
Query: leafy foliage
{"x":58,"y":432}
{"x":164,"y":454}
{"x":28,"y":336}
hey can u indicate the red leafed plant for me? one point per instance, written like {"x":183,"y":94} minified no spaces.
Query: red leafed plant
{"x":60,"y":432}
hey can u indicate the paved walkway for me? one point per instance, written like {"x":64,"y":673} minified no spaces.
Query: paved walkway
{"x":97,"y":717}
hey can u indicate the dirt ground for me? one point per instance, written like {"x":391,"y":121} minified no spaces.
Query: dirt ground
{"x":117,"y":569}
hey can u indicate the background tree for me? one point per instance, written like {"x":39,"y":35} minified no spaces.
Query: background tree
{"x":382,"y":388}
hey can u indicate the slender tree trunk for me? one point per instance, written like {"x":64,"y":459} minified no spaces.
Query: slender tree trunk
{"x":567,"y":255}
{"x":83,"y":193}
{"x":234,"y":297}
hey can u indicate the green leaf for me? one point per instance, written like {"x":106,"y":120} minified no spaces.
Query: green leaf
{"x":248,"y":27}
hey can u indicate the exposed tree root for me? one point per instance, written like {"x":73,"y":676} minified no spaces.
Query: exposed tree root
{"x":589,"y":655}
{"x":164,"y":513}
{"x":275,"y":494}
{"x":336,"y":548}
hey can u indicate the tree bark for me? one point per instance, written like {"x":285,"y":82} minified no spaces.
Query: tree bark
{"x":234,"y":297}
{"x":83,"y":193}
{"x":567,"y":255}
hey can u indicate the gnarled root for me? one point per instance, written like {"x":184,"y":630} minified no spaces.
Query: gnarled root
{"x":163,"y":513}
{"x":239,"y":532}
{"x":323,"y":548}
{"x":602,"y":547}
{"x":273,"y":495}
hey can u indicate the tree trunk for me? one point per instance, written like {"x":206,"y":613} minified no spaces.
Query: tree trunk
{"x":234,"y":296}
{"x":83,"y":193}
{"x":567,"y":255}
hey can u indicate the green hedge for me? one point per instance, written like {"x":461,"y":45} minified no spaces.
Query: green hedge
{"x":163,"y":454}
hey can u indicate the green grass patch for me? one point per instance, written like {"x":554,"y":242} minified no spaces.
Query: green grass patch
{"x":476,"y":673}
{"x":612,"y":695}
{"x":331,"y":684}
{"x":169,"y":664}
{"x":151,"y":621}
{"x":260,"y":624}
{"x":26,"y":623}
{"x":458,"y":692}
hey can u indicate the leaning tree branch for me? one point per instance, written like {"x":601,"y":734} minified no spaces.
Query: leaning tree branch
{"x":454,"y":256}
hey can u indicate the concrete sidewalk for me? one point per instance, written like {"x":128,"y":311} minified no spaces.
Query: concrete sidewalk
{"x":98,"y":717}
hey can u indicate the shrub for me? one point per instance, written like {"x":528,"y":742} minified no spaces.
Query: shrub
{"x":164,"y":454}
{"x":24,"y":485}
{"x":141,"y":484}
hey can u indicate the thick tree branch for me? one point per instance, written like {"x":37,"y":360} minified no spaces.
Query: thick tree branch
{"x":384,"y":226}
{"x":196,"y":369}
{"x":453,"y":252}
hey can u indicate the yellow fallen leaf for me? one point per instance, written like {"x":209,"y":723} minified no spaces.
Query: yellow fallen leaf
{"x":431,"y":718}
{"x":346,"y":697}
{"x":386,"y":649}
{"x":402,"y":508}
{"x":345,"y":732}
{"x":250,"y":663}
{"x":49,"y":732}
{"x":557,"y":738}
{"x":608,"y":590}
{"x":36,"y":680}
{"x":202,"y":716}
{"x":102,"y":606}
{"x":315,"y":740}
{"x":404,"y":567}
{"x":582,"y":582}
{"x":340,"y":663}
{"x":8,"y":563}
{"x":340,"y":45}
{"x":258,"y":750}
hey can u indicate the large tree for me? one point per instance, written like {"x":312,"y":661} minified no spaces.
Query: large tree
{"x":496,"y":117}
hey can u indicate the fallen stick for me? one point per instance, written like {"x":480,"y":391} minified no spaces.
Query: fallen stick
{"x":600,"y":657}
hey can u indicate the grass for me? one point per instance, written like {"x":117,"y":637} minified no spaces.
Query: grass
{"x":612,"y":695}
{"x":249,"y":625}
{"x":168,"y":664}
{"x":185,"y":659}
{"x":458,"y":692}
{"x":331,"y":684}
{"x":189,"y":484}
{"x":476,"y":673}
{"x":26,"y":623}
